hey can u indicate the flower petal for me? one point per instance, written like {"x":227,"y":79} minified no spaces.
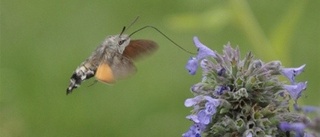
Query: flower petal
{"x":215,"y":102}
{"x":220,"y":89}
{"x":297,"y":127}
{"x":192,"y":101}
{"x":203,"y":50}
{"x":192,"y":65}
{"x":310,"y":109}
{"x":194,"y":131}
{"x":284,"y":126}
{"x":210,"y":108}
{"x":194,"y":118}
{"x":203,"y":117}
{"x":295,"y":90}
{"x":291,"y":73}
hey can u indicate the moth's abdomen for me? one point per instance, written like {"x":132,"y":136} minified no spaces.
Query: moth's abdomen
{"x":83,"y":72}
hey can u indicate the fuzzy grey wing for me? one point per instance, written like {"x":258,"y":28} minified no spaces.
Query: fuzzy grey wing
{"x":122,"y":67}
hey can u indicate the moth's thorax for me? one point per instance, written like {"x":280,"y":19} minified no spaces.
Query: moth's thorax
{"x":116,"y":42}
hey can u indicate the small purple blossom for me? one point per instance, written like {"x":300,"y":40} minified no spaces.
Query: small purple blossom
{"x":211,"y":105}
{"x":193,"y":101}
{"x":203,"y":50}
{"x":306,"y":109}
{"x":194,"y":131}
{"x":221,"y":71}
{"x":210,"y":108}
{"x":295,"y":90}
{"x":203,"y":117}
{"x":291,"y":73}
{"x":220,"y":89}
{"x":297,"y":127}
{"x":192,"y":65}
{"x":310,"y":109}
{"x":214,"y":102}
{"x":193,"y":118}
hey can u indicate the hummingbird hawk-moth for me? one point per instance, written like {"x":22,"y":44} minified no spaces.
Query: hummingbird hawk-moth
{"x":112,"y":60}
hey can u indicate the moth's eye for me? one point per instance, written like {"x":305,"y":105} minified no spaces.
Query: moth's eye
{"x":121,"y":42}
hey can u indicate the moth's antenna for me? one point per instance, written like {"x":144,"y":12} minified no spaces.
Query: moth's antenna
{"x":134,"y":21}
{"x":124,"y":28}
{"x":162,"y":35}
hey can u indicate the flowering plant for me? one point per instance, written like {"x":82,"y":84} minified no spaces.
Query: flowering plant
{"x":245,"y":97}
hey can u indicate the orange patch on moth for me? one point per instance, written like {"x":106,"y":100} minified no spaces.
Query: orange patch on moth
{"x":104,"y":74}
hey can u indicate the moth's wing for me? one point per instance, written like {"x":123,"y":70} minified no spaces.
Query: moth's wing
{"x":118,"y":67}
{"x":140,"y":48}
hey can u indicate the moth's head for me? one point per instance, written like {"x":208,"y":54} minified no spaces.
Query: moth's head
{"x":118,"y":42}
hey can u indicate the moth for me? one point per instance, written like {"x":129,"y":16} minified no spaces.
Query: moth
{"x":112,"y":60}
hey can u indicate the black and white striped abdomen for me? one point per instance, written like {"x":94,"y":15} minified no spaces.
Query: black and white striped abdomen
{"x":85,"y":71}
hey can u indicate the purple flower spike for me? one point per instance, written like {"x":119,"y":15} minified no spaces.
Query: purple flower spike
{"x":295,"y":90}
{"x":291,"y":73}
{"x":192,"y":65}
{"x":246,"y":97}
{"x":203,"y":50}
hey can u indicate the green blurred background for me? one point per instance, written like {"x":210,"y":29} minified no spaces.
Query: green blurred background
{"x":42,"y":42}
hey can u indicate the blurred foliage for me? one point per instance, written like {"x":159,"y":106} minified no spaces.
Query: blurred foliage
{"x":42,"y":42}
